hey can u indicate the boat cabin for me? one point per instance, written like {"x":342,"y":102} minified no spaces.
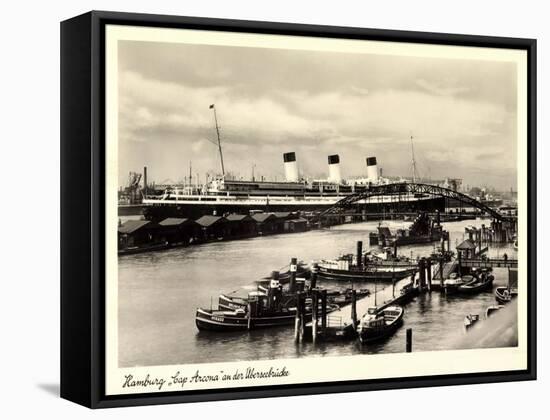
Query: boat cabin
{"x":467,"y":249}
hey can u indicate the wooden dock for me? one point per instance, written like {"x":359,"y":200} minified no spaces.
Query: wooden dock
{"x":489,"y":262}
{"x":340,"y":323}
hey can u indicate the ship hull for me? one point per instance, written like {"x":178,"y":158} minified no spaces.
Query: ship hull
{"x":207,"y":320}
{"x":158,"y":210}
{"x":470,"y":289}
{"x":348,"y":275}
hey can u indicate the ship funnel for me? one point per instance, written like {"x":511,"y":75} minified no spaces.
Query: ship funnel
{"x":291,"y":167}
{"x":334,"y":174}
{"x":372,"y":169}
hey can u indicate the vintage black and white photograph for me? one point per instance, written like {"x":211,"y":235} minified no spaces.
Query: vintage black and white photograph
{"x":292,"y":203}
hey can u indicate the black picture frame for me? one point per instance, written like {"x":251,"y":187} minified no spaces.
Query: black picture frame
{"x":83,"y":204}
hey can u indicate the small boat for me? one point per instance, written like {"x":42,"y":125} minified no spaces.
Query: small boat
{"x":480,"y":283}
{"x":406,"y":294}
{"x":424,"y":229}
{"x":343,"y":297}
{"x":452,"y":284}
{"x":378,"y":324}
{"x":470,"y":320}
{"x":492,"y":309}
{"x":504,"y":295}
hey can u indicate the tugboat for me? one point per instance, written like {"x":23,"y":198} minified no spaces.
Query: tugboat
{"x":302,"y":270}
{"x":262,"y":310}
{"x":480,"y":283}
{"x":423,"y":230}
{"x":365,"y":267}
{"x":379,"y":324}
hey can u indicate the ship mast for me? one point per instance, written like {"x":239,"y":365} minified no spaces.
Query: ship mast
{"x":414,"y":172}
{"x":219,"y":141}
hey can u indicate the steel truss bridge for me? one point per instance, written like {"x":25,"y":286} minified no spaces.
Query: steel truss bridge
{"x":408,"y":188}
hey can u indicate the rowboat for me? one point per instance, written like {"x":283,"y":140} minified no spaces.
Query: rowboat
{"x":505,"y":294}
{"x":378,"y":324}
{"x":479,"y":283}
{"x":470,"y":320}
{"x":492,"y":309}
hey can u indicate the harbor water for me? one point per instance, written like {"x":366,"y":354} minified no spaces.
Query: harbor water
{"x":159,"y":293}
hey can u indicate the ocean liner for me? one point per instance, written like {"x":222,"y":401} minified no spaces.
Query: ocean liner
{"x":222,"y":195}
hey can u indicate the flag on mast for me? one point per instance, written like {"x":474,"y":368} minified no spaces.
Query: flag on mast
{"x":211,"y":106}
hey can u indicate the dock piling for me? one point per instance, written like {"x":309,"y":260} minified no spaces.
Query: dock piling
{"x":359,"y":253}
{"x":293,"y":268}
{"x":314,"y":271}
{"x":354,"y":308}
{"x":298,"y":320}
{"x":421,"y":274}
{"x":409,"y":340}
{"x":323,"y":311}
{"x":429,"y":273}
{"x":302,"y":315}
{"x":314,"y":312}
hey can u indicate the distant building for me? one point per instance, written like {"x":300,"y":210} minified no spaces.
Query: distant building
{"x":213,"y":227}
{"x":241,"y":225}
{"x":295,"y":225}
{"x":266,"y":223}
{"x":178,"y":230}
{"x":135,"y":233}
{"x":454,"y":184}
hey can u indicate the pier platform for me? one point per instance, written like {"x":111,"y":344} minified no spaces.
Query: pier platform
{"x":340,"y":323}
{"x":489,"y":263}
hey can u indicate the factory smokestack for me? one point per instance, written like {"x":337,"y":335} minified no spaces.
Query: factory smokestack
{"x":334,"y":174}
{"x":291,"y":167}
{"x":372,"y":169}
{"x":145,"y":180}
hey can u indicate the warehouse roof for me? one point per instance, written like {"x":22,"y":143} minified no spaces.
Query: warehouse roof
{"x":207,"y":220}
{"x":467,"y":244}
{"x":131,"y":226}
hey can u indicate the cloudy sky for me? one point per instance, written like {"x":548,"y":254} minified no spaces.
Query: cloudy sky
{"x":461,"y":113}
